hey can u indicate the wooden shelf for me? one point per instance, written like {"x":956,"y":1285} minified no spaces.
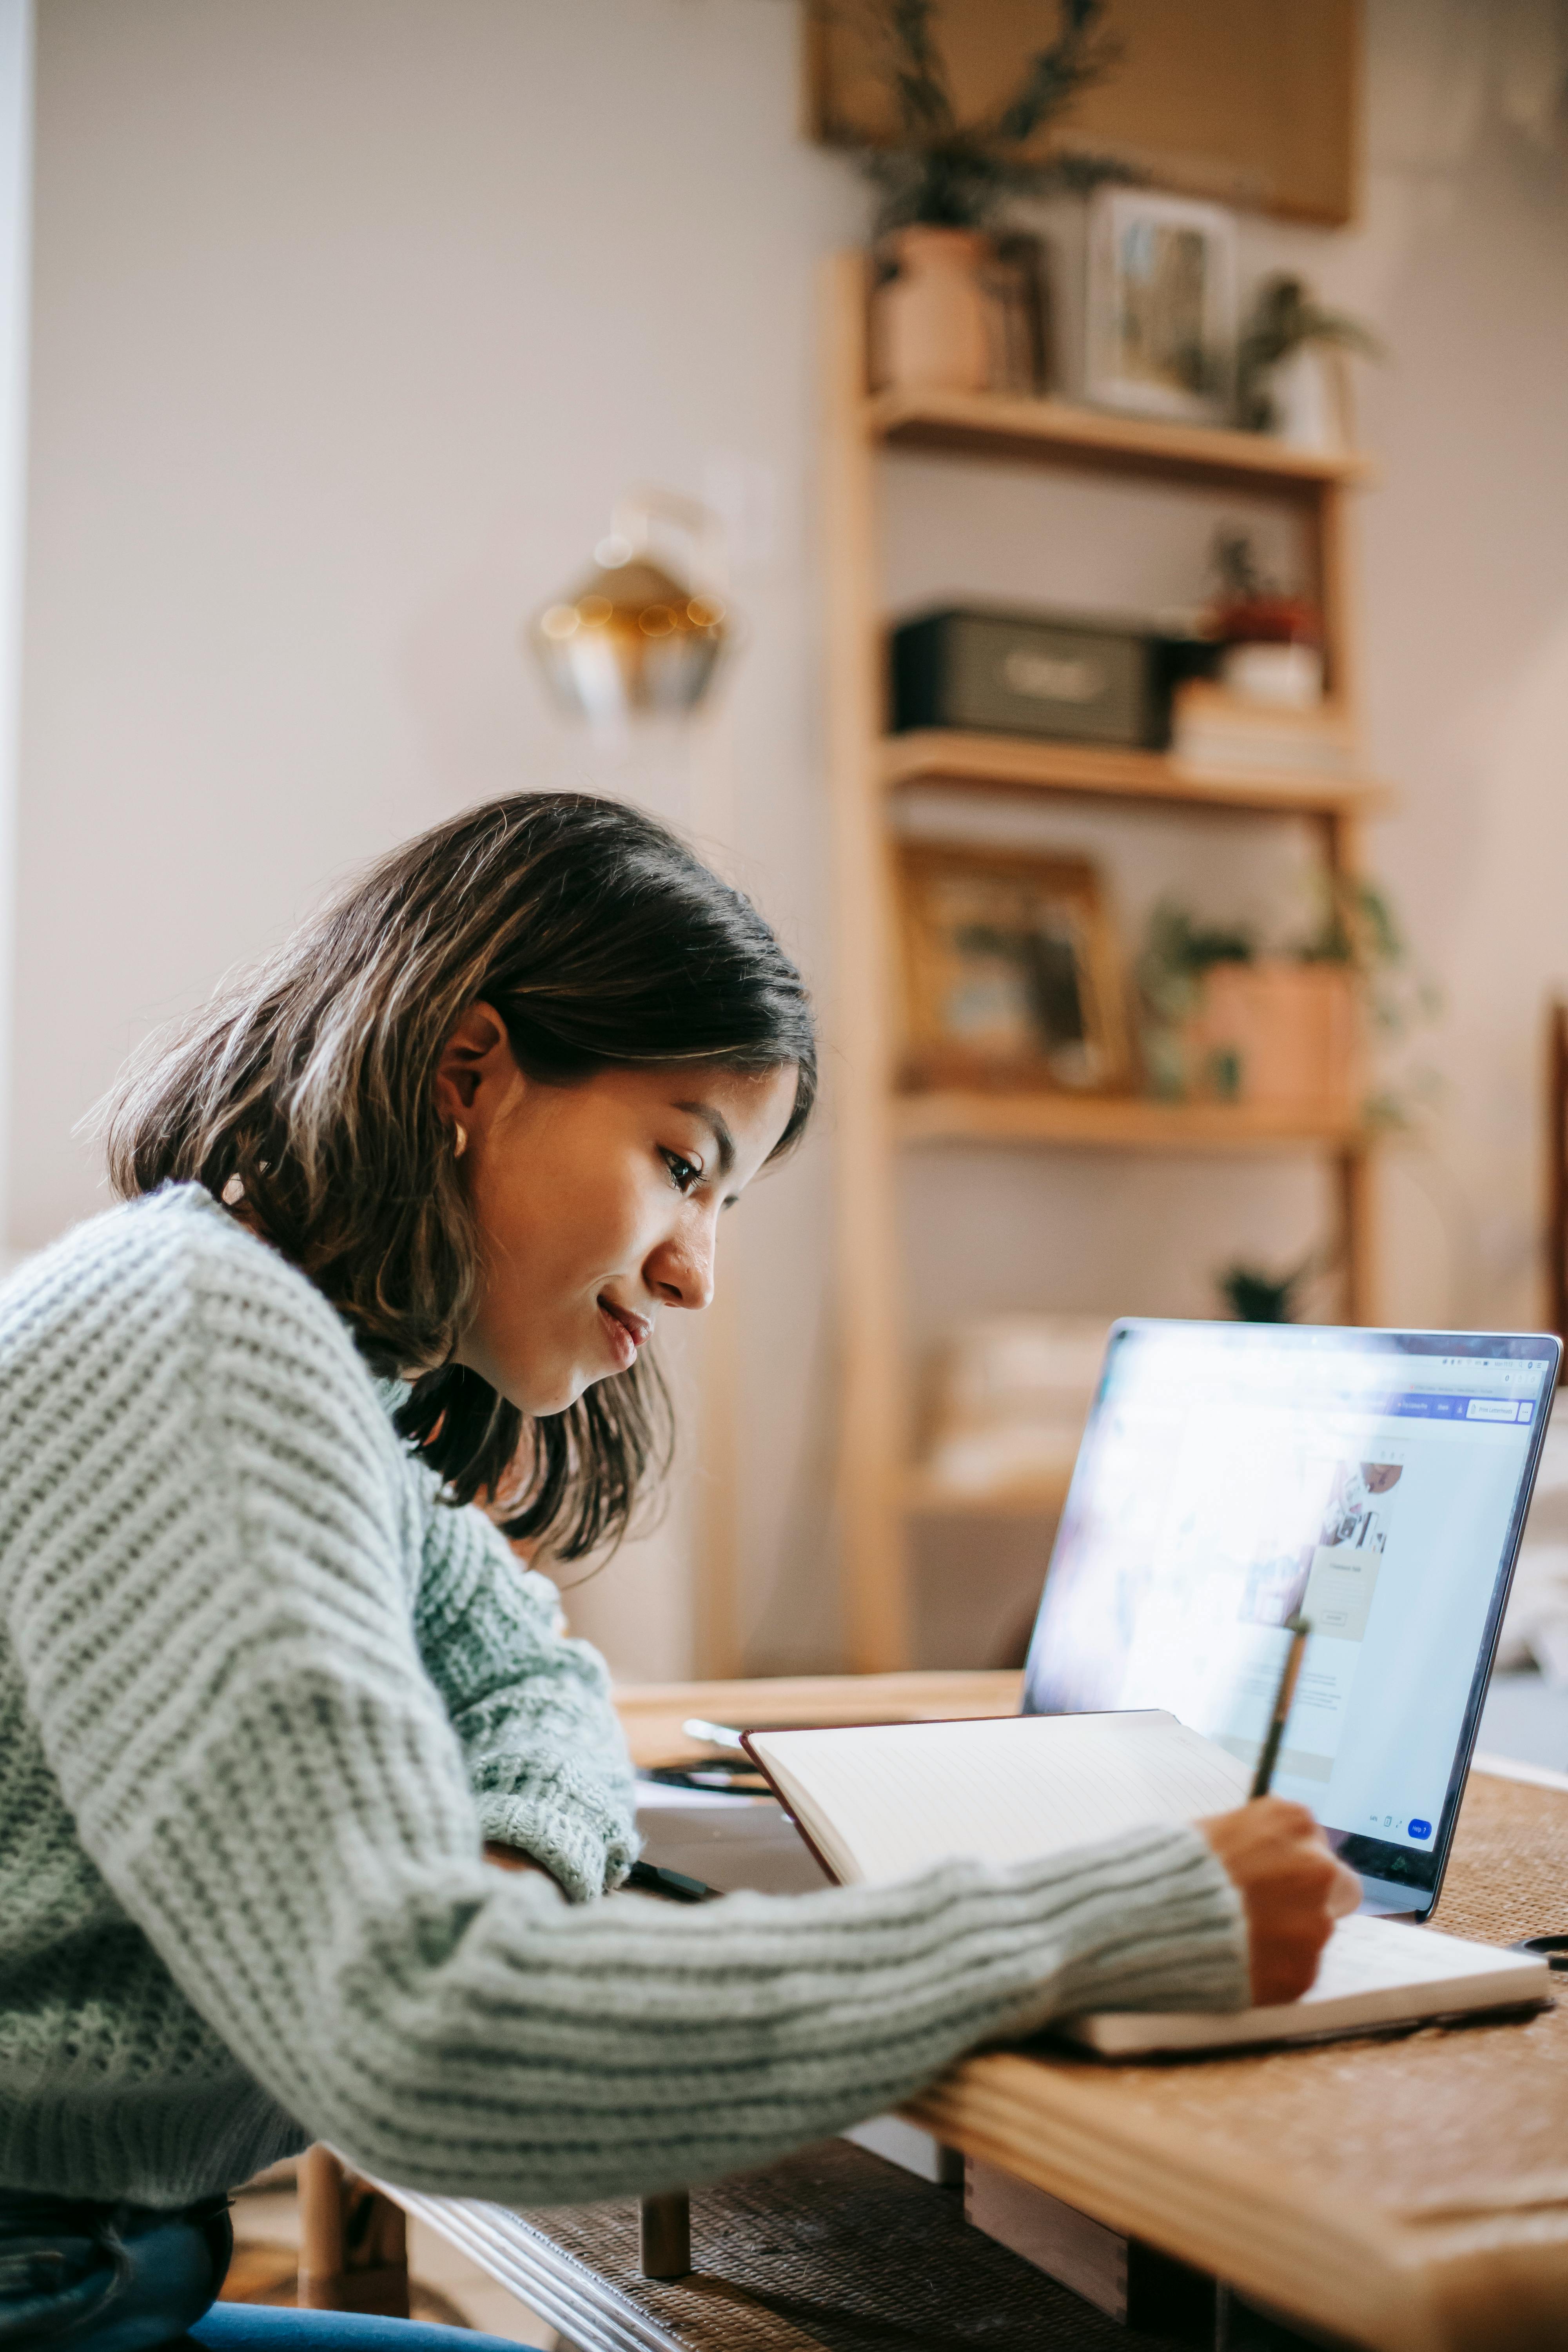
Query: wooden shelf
{"x":1117,"y":1123}
{"x":1053,"y":432}
{"x":927,"y":1497}
{"x":1019,"y":763}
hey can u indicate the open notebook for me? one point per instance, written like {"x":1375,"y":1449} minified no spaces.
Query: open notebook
{"x":878,"y":1800}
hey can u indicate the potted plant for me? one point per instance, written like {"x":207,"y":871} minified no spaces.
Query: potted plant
{"x":1224,"y":1021}
{"x":944,"y":180}
{"x":1248,"y":612}
{"x":1292,"y":380}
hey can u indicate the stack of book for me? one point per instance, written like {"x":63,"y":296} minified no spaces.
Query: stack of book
{"x":1213,"y":732}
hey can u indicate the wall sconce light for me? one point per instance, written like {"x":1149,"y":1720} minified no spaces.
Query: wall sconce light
{"x":633,"y":640}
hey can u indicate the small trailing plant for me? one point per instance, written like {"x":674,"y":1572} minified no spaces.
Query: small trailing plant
{"x":949,"y":173}
{"x":1285,"y":318}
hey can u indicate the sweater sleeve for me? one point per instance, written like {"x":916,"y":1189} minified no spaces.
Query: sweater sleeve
{"x":530,"y":1706}
{"x":216,"y":1641}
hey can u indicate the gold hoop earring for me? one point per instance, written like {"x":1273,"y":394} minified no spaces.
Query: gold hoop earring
{"x":459,"y":1139}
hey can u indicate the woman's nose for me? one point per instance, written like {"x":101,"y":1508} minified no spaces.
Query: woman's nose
{"x":680,"y":1271}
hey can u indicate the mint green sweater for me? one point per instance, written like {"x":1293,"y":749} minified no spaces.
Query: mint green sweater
{"x":262,"y":1698}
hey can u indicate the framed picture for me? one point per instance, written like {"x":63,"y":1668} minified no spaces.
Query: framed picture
{"x":1012,"y":977}
{"x":1246,"y":103}
{"x":1161,"y":319}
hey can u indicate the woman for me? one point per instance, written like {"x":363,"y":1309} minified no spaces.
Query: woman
{"x":404,"y":1210}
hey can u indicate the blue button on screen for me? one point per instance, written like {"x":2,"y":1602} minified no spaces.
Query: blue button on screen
{"x":1421,"y":1829}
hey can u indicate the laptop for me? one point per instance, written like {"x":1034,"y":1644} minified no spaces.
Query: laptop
{"x":1232,"y":1474}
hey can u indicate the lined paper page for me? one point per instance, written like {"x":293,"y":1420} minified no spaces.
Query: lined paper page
{"x":1363,"y":1955}
{"x":882,"y":1799}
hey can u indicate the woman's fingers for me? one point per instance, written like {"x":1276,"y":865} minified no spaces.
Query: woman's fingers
{"x":1292,"y":1887}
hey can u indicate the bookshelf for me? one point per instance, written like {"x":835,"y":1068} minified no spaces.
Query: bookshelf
{"x":882,"y":1492}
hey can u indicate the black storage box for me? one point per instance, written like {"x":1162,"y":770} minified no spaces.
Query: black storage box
{"x":1058,"y":676}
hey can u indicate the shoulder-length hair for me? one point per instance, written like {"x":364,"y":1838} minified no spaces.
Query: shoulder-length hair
{"x":602,"y":943}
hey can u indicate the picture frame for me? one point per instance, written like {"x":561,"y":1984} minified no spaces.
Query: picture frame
{"x":1013,"y":977}
{"x":1255,"y":103}
{"x":1160,"y":320}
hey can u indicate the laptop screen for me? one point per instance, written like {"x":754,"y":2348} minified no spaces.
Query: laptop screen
{"x":1377,"y":1481}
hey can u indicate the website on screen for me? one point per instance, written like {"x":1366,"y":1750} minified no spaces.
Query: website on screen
{"x":1223,"y":1488}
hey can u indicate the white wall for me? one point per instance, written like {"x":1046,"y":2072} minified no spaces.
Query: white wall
{"x":352,"y":320}
{"x":352,"y":317}
{"x":15,"y":206}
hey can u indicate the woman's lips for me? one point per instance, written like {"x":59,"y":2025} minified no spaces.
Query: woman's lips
{"x":625,"y":1332}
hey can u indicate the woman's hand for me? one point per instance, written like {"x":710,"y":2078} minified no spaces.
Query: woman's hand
{"x":1291,"y":1888}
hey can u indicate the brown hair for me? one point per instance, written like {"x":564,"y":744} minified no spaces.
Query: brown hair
{"x":602,"y":942}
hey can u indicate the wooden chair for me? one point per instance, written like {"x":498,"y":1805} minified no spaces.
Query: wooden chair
{"x":354,"y":2241}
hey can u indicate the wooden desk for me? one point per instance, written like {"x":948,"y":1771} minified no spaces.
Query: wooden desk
{"x":652,"y":1713}
{"x":1409,"y":2194}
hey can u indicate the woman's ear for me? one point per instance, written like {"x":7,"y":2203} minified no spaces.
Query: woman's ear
{"x":474,"y":1060}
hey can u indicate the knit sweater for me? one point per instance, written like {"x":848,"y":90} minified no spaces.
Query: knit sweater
{"x":263,"y":1696}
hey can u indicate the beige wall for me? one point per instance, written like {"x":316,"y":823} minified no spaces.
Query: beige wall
{"x":352,"y":317}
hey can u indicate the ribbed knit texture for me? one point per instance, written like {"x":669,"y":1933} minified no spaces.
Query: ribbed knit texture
{"x":263,"y":1697}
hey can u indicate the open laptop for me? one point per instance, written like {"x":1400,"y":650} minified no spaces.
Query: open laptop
{"x":1231,"y":1473}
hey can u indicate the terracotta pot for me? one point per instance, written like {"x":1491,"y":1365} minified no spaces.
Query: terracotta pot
{"x":1277,"y":1034}
{"x":932,"y":326}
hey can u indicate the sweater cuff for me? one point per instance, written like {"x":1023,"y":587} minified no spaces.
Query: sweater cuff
{"x":584,"y":1846}
{"x":1153,"y":1922}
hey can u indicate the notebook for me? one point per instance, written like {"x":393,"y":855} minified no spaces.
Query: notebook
{"x":876,"y":1801}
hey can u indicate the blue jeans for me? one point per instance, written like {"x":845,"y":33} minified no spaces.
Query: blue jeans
{"x":80,"y":2277}
{"x":250,"y":2328}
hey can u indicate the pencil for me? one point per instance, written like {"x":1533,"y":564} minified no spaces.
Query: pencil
{"x":1298,"y":1629}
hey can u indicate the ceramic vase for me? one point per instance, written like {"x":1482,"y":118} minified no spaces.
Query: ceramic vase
{"x":932,"y":324}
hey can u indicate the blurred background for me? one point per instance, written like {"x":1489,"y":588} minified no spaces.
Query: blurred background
{"x":335,"y":332}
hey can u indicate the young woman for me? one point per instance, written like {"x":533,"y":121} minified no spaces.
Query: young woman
{"x":404,"y":1211}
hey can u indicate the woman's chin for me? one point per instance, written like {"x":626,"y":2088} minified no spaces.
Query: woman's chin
{"x":539,"y":1390}
{"x":559,"y":1396}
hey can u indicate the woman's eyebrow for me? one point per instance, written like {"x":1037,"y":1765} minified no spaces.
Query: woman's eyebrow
{"x":715,"y":1122}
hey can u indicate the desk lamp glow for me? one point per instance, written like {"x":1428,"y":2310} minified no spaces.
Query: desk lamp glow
{"x":634,"y":640}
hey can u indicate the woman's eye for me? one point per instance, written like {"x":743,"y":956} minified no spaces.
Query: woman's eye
{"x":683,"y":1173}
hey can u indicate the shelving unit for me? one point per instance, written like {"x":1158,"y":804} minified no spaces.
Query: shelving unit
{"x":880,"y":1490}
